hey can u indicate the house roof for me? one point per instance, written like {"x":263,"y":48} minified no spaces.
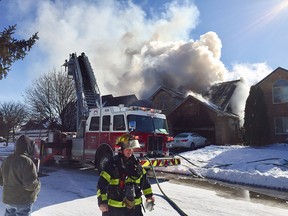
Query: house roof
{"x":142,"y":103}
{"x":217,"y":98}
{"x":207,"y":104}
{"x":127,"y":100}
{"x":172,"y":92}
{"x":35,"y":124}
{"x":221,"y":93}
{"x":106,"y":97}
{"x":276,"y":70}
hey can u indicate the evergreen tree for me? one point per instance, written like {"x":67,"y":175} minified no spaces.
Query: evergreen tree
{"x":12,"y":49}
{"x":256,"y":122}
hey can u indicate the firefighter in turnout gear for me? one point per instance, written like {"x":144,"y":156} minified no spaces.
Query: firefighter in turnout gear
{"x":123,"y":181}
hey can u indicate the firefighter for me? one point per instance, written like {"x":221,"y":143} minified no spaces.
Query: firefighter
{"x":122,"y":182}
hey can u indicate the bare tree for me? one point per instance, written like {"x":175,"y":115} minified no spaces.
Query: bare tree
{"x":12,"y":49}
{"x":12,"y":114}
{"x":49,"y":95}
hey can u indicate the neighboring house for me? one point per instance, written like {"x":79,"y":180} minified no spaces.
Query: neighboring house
{"x":275,"y":89}
{"x":35,"y":125}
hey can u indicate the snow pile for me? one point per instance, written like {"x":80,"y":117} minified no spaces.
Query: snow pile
{"x":262,"y":166}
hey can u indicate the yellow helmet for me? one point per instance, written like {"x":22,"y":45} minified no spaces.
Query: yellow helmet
{"x":128,"y":141}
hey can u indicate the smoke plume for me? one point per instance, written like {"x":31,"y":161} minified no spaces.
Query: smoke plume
{"x":130,"y":51}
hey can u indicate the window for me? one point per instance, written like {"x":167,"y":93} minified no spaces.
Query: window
{"x":143,"y":123}
{"x":280,"y":91}
{"x":149,"y":124}
{"x":281,"y":125}
{"x":118,"y":123}
{"x":94,"y":124}
{"x":106,"y":123}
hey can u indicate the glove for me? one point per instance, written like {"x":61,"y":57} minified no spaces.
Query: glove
{"x":150,"y":199}
{"x":103,"y":207}
{"x":149,"y":205}
{"x":129,"y":204}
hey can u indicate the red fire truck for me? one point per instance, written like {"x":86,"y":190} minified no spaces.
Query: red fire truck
{"x":100,"y":126}
{"x":96,"y":141}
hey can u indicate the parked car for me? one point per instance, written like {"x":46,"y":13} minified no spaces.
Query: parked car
{"x":2,"y":139}
{"x":189,"y":140}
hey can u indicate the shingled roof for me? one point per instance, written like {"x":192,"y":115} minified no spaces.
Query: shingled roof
{"x":172,"y":92}
{"x":277,"y":69}
{"x":127,"y":100}
{"x":221,"y":93}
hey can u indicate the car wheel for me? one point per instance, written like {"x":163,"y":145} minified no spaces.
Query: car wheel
{"x":192,"y":146}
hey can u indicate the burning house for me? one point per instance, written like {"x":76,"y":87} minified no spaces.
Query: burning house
{"x":196,"y":113}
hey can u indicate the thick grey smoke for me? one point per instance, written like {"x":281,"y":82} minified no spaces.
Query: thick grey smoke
{"x":187,"y":66}
{"x":131,"y":52}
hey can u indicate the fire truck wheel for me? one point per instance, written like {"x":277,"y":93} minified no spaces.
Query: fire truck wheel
{"x":102,"y":160}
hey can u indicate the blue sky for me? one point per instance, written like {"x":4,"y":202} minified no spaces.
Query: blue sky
{"x":138,"y":45}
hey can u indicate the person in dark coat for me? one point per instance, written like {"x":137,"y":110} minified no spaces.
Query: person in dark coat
{"x":19,"y":178}
{"x":122,"y":183}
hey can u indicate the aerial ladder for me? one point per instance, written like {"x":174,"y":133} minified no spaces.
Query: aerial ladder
{"x":87,"y":90}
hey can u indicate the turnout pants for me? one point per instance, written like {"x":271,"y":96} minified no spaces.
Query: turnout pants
{"x":136,"y":211}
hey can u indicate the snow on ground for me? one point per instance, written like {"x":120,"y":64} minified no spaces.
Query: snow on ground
{"x":262,"y":166}
{"x":71,"y":192}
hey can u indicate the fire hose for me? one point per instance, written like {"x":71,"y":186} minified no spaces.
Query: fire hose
{"x":174,"y":205}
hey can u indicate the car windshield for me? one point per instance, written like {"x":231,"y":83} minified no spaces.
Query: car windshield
{"x":149,"y":124}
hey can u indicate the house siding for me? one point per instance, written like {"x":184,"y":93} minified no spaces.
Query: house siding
{"x":165,"y":102}
{"x":274,"y":110}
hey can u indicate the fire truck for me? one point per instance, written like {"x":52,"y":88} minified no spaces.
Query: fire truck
{"x":99,"y":127}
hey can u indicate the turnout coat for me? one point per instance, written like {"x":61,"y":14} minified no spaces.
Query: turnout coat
{"x":117,"y":174}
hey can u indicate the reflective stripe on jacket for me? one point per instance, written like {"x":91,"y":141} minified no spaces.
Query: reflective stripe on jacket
{"x":109,"y":189}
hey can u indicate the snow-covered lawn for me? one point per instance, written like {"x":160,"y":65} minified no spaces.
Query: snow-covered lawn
{"x":265,"y":167}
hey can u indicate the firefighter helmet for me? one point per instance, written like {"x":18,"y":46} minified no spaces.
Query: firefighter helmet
{"x":128,"y":141}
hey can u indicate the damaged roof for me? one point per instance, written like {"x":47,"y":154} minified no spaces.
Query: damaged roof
{"x":220,"y":94}
{"x":207,"y":104}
